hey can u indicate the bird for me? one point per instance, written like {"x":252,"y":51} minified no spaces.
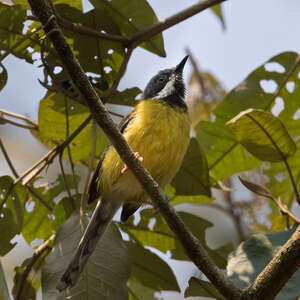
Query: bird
{"x":157,"y":130}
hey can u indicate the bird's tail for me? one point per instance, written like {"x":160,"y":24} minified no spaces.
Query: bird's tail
{"x":101,"y":218}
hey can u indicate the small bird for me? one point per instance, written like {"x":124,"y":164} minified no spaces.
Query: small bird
{"x":157,"y":130}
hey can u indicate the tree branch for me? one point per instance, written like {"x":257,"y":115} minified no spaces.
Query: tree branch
{"x":32,"y":124}
{"x":48,"y":158}
{"x":37,"y":253}
{"x":149,"y":32}
{"x":191,"y":245}
{"x":279,"y":270}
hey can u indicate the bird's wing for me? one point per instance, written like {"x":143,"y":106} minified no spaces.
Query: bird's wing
{"x":93,"y":190}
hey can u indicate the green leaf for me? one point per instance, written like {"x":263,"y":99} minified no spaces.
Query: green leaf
{"x":198,"y":287}
{"x":217,"y":10}
{"x":224,"y":155}
{"x":3,"y":76}
{"x":162,"y":238}
{"x":253,"y":255}
{"x":12,"y":213}
{"x":12,"y":19}
{"x":4,"y":294}
{"x":263,"y":135}
{"x":192,"y":177}
{"x":149,"y":269}
{"x":132,"y":17}
{"x":52,"y":127}
{"x":106,"y":273}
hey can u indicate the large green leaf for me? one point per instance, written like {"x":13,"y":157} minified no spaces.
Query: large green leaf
{"x":52,"y":127}
{"x":149,"y":269}
{"x":224,"y":155}
{"x":253,"y":255}
{"x":12,"y":212}
{"x":126,"y":97}
{"x":4,"y":294}
{"x":12,"y":19}
{"x":198,"y":287}
{"x":192,"y":177}
{"x":221,"y":149}
{"x":162,"y":238}
{"x":139,"y":292}
{"x":263,"y":135}
{"x":132,"y":17}
{"x":105,"y":275}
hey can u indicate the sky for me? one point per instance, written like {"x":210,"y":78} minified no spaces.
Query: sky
{"x":255,"y":31}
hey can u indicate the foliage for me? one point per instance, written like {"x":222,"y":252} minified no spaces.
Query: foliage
{"x":236,"y":134}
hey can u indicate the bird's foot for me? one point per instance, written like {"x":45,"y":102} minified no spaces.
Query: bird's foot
{"x":155,"y":208}
{"x":137,"y":156}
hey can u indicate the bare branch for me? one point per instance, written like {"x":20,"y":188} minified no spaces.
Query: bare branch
{"x":37,"y":253}
{"x":280,"y":269}
{"x":15,"y":173}
{"x":48,"y":158}
{"x":149,"y":32}
{"x":32,"y":124}
{"x":192,"y":246}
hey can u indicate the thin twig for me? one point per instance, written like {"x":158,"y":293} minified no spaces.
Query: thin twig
{"x":65,"y":179}
{"x":234,"y":215}
{"x":69,"y":149}
{"x":90,"y":169}
{"x":4,"y":120}
{"x":147,"y":33}
{"x":37,"y":254}
{"x":197,"y":71}
{"x":48,"y":158}
{"x":20,"y":117}
{"x":192,"y":246}
{"x":15,"y":173}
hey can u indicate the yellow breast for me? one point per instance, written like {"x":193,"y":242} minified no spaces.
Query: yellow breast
{"x":160,"y":134}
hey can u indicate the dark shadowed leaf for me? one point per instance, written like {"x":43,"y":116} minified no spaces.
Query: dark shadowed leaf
{"x":132,"y":17}
{"x":263,"y":135}
{"x":137,"y":291}
{"x":161,"y":237}
{"x":253,"y":255}
{"x":149,"y":269}
{"x":4,"y":294}
{"x":192,"y":177}
{"x":198,"y":287}
{"x":256,"y":188}
{"x":106,"y":273}
{"x":3,"y":76}
{"x":12,"y":213}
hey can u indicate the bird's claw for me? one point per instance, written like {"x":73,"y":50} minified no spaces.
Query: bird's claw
{"x":137,"y":156}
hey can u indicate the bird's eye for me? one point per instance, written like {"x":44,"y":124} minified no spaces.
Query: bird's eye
{"x":162,"y":78}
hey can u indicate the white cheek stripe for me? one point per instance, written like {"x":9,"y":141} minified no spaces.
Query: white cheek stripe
{"x":168,"y":89}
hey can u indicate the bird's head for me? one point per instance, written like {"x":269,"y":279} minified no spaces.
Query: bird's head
{"x":168,"y":85}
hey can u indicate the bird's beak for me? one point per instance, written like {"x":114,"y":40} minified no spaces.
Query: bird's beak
{"x":180,"y":66}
